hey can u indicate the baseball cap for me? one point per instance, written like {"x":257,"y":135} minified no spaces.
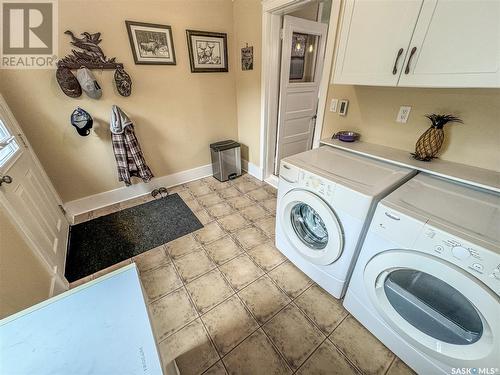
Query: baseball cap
{"x":88,"y":83}
{"x":82,"y":121}
{"x":68,"y":82}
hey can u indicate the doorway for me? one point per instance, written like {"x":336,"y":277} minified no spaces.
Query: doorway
{"x":302,"y":58}
{"x":298,"y":40}
{"x":30,"y":200}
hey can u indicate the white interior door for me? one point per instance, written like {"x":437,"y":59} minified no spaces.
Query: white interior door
{"x":28,"y":196}
{"x":455,"y":44}
{"x":302,"y":56}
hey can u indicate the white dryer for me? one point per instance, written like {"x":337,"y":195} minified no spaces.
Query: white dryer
{"x":325,"y":199}
{"x":427,"y":280}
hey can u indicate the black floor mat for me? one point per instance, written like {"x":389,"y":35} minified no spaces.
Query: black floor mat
{"x":107,"y":240}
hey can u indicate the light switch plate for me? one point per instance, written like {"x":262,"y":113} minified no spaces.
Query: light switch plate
{"x":403,"y":114}
{"x":343,"y":104}
{"x":333,"y":105}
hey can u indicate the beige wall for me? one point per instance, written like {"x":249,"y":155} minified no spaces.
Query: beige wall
{"x":177,"y":113}
{"x":247,"y":29}
{"x":18,"y":292}
{"x":372,"y":112}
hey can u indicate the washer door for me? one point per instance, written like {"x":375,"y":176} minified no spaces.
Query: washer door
{"x":311,"y":226}
{"x":436,"y":306}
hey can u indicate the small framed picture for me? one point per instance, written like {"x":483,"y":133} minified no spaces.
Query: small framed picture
{"x":207,"y":51}
{"x":151,"y":44}
{"x":247,"y":58}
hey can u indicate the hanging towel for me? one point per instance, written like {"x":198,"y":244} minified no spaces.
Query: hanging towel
{"x":128,"y":154}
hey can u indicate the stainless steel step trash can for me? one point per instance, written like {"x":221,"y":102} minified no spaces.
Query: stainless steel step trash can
{"x":226,"y":160}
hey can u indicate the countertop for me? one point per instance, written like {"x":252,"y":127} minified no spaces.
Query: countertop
{"x":479,"y":177}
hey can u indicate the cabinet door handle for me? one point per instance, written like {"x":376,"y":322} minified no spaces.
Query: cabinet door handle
{"x":395,"y":69}
{"x":413,"y":50}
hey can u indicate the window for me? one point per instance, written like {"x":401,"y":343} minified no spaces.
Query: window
{"x":303,"y":57}
{"x":8,"y":145}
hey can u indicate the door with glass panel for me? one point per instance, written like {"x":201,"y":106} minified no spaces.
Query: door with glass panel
{"x":441,"y":309}
{"x":27,"y":195}
{"x":302,"y":56}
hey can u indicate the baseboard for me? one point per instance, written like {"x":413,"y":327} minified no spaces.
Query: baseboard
{"x":58,"y":285}
{"x":252,"y":169}
{"x":104,"y":199}
{"x":107,"y":198}
{"x":273,"y":181}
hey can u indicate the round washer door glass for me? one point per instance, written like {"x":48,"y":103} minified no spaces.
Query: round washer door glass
{"x":309,"y":226}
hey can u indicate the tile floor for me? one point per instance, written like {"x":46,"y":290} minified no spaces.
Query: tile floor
{"x":223,"y":299}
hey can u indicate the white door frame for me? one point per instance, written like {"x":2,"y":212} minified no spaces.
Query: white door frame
{"x":59,"y":282}
{"x":288,"y":89}
{"x":272,"y":10}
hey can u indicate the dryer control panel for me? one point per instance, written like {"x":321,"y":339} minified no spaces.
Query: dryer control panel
{"x":477,"y":261}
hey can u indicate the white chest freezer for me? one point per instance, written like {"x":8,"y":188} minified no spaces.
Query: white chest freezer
{"x":100,"y":328}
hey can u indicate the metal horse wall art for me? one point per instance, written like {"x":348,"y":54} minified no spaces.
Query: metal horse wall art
{"x":91,"y":56}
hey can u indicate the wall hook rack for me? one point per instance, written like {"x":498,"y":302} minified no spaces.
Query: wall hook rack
{"x":91,"y":56}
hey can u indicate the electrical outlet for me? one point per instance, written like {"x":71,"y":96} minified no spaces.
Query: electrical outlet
{"x":333,"y":105}
{"x":403,"y":114}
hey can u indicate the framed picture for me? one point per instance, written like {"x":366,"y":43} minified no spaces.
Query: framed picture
{"x":151,"y":44}
{"x":247,"y":58}
{"x":207,"y":51}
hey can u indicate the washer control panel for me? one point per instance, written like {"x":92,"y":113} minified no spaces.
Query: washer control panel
{"x":460,"y":252}
{"x":480,"y":262}
{"x":319,"y":185}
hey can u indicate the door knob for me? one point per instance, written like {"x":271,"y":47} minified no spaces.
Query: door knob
{"x":5,"y":179}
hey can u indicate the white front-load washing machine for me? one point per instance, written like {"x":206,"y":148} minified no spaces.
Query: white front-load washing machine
{"x":427,"y":279}
{"x":325,"y":197}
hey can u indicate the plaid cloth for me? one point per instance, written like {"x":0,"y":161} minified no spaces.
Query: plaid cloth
{"x":128,"y":154}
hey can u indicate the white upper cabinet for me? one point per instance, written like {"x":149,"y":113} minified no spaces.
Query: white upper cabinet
{"x":445,"y":43}
{"x":374,"y":40}
{"x":457,"y":45}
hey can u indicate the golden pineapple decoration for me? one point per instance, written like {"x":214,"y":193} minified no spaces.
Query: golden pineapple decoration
{"x":431,"y":140}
